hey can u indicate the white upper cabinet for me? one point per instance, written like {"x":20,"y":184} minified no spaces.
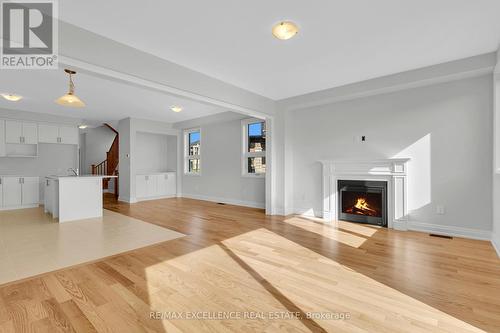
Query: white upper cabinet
{"x":2,"y":137}
{"x":51,"y":133}
{"x":30,"y":133}
{"x":21,"y":132}
{"x":68,"y":135}
{"x":48,"y":133}
{"x":13,"y":131}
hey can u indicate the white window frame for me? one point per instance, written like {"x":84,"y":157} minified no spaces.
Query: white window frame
{"x":188,"y":157}
{"x":245,"y":153}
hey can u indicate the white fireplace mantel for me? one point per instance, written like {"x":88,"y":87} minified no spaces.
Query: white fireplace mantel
{"x":393,"y":171}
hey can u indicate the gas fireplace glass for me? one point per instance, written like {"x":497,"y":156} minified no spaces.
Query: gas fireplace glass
{"x":363,"y":201}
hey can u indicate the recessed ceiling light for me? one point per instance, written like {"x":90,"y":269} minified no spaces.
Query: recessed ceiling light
{"x":176,"y":108}
{"x":12,"y":97}
{"x":285,"y":30}
{"x":83,"y":126}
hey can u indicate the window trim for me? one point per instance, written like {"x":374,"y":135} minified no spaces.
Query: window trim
{"x":245,"y":154}
{"x":188,"y":157}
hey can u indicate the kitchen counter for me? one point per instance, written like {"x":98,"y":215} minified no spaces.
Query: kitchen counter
{"x":80,"y":176}
{"x":70,"y":198}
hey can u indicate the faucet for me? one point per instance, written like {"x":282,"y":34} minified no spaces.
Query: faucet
{"x":75,"y":171}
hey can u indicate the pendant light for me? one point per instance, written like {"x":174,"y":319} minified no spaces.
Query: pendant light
{"x":285,"y":30}
{"x":70,"y":99}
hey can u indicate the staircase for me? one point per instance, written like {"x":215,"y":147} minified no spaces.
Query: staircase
{"x":109,"y":167}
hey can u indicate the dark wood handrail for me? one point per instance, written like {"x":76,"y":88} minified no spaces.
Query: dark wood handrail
{"x":111,"y":128}
{"x":109,"y":167}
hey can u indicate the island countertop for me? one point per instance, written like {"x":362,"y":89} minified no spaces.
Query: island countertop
{"x":81,"y":176}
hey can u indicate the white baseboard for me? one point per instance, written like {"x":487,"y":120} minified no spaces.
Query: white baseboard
{"x":20,"y":207}
{"x":401,"y":225}
{"x":225,"y":200}
{"x":156,"y":198}
{"x":127,"y":200}
{"x":449,"y":230}
{"x":310,"y":212}
{"x":495,"y":241}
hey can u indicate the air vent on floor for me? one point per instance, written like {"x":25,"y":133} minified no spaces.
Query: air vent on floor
{"x":441,"y":236}
{"x":221,"y":203}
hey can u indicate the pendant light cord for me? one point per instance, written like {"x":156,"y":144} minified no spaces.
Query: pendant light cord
{"x":71,"y":85}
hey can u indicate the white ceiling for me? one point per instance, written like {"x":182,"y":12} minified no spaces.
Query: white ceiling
{"x":340,"y":42}
{"x":105,"y":100}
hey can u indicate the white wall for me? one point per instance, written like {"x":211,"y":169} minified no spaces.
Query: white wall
{"x":496,"y":154}
{"x":98,"y":141}
{"x":221,"y":179}
{"x":153,"y":152}
{"x":446,"y":129}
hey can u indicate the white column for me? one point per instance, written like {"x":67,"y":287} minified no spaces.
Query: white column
{"x":328,"y":192}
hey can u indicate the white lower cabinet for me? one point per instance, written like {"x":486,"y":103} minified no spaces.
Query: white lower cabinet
{"x":166,"y":184}
{"x":19,"y":192}
{"x":1,"y":192}
{"x":156,"y":185}
{"x":30,"y":191}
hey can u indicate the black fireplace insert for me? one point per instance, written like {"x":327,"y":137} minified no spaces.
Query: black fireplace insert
{"x":363,"y":201}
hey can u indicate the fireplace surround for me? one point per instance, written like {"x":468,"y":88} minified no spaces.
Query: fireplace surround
{"x":392,"y":171}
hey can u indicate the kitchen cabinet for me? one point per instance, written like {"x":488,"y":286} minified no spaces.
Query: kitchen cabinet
{"x":19,"y":192}
{"x":156,"y":185}
{"x":2,"y":139}
{"x":1,"y":192}
{"x":20,"y":132}
{"x":12,"y":190}
{"x":30,"y":133}
{"x":48,"y":133}
{"x":30,"y":191}
{"x":53,"y":133}
{"x":68,"y":135}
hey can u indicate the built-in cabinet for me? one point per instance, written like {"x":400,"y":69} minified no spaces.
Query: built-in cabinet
{"x":21,"y":138}
{"x":156,"y":185}
{"x":52,"y":133}
{"x":19,"y":192}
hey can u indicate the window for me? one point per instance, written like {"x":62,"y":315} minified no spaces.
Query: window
{"x":192,"y":152}
{"x":254,"y":147}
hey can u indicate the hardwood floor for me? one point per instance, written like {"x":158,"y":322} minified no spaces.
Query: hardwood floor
{"x":240,"y":261}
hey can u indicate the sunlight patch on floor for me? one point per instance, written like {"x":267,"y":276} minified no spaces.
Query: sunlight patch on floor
{"x":209,"y":280}
{"x":332,"y":232}
{"x":318,"y":284}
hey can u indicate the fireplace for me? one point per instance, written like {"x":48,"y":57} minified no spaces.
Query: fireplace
{"x":363,"y":201}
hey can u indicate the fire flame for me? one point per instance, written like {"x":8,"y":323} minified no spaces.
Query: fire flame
{"x":362,"y":207}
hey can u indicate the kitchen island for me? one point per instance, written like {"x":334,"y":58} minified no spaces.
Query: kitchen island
{"x":70,"y":198}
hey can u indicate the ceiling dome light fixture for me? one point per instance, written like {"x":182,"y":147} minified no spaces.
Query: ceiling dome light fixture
{"x":285,"y":30}
{"x":82,"y":126}
{"x":70,"y":99}
{"x":12,"y":97}
{"x":176,"y":108}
